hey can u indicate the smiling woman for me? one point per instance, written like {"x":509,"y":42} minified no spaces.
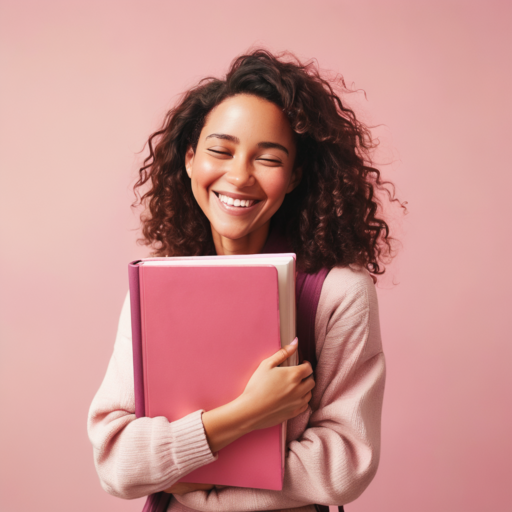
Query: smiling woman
{"x":270,"y":153}
{"x":241,"y":170}
{"x":331,"y":216}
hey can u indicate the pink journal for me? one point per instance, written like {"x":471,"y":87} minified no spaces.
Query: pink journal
{"x":199,"y":332}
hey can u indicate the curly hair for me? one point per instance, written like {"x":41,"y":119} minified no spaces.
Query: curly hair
{"x":331,"y":217}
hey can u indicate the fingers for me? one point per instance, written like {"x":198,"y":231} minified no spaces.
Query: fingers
{"x":306,"y":386}
{"x":307,"y":397}
{"x":305,"y":401}
{"x":301,"y":409}
{"x":304,"y":408}
{"x":304,"y":370}
{"x":282,"y":355}
{"x":300,"y":372}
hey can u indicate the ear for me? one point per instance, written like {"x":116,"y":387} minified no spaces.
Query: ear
{"x":189,"y":161}
{"x":295,"y":180}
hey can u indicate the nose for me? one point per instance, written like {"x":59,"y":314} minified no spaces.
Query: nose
{"x":240,"y":173}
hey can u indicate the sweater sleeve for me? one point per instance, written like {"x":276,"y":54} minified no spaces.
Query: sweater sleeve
{"x":133,"y":456}
{"x":333,"y":449}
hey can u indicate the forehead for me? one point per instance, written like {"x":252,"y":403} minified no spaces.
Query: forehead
{"x":249,"y":117}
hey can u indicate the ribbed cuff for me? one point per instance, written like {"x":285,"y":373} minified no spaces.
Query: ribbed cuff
{"x":190,"y":446}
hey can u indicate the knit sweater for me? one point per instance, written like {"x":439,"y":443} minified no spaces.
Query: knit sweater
{"x":332,"y":448}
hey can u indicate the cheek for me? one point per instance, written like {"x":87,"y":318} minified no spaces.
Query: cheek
{"x":204,"y":173}
{"x":275,"y":185}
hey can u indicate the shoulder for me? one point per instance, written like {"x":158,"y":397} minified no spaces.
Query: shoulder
{"x":348,"y":307}
{"x":350,"y":288}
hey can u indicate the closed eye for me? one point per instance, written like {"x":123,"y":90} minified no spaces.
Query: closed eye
{"x":270,"y":160}
{"x":226,"y":153}
{"x":219,"y":152}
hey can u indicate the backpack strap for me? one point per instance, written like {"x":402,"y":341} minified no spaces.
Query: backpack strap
{"x":307,"y":293}
{"x":157,"y":502}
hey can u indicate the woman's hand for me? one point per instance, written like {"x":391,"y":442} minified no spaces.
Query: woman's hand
{"x":272,"y":395}
{"x":275,"y":394}
{"x":184,"y":488}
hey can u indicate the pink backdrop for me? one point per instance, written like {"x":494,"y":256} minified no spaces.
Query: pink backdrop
{"x":84,"y":83}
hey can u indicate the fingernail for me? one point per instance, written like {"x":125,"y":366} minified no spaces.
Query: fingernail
{"x":295,"y":341}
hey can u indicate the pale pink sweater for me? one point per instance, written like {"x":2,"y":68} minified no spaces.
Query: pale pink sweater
{"x":333,"y":448}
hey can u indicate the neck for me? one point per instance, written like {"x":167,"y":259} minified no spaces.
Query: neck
{"x":250,"y":244}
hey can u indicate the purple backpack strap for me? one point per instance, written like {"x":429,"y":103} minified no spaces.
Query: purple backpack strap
{"x":307,"y":291}
{"x":307,"y":294}
{"x":157,"y":502}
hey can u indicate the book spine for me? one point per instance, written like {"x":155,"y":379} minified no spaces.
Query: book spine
{"x":138,"y":377}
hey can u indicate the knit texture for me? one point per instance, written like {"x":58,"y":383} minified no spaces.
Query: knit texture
{"x":332,"y":448}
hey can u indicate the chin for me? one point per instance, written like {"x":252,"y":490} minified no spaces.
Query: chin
{"x":232,"y":234}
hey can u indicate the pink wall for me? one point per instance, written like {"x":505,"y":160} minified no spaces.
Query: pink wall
{"x":84,"y":83}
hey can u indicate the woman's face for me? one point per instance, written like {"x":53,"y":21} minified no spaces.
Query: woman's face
{"x":243,"y":166}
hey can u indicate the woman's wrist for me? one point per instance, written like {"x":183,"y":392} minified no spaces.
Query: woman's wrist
{"x":227,"y":423}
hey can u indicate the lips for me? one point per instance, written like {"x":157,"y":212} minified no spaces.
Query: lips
{"x":241,"y":203}
{"x":236,"y":200}
{"x":236,"y":203}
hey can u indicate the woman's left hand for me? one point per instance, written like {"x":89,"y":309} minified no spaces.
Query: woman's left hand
{"x":184,"y":488}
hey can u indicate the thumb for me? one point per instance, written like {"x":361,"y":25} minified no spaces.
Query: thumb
{"x":283,"y":354}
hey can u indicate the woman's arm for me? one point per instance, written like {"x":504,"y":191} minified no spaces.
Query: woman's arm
{"x":136,"y":457}
{"x":333,"y":452}
{"x":272,"y":395}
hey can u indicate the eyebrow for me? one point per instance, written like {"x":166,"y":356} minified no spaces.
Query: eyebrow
{"x":272,"y":145}
{"x":224,"y":136}
{"x":236,"y":140}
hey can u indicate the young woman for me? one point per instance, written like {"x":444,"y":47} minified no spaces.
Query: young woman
{"x":269,"y":150}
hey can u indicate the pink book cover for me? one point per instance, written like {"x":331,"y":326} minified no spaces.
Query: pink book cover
{"x":203,"y":332}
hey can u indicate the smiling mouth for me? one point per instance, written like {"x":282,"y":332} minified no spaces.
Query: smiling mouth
{"x":237,"y":203}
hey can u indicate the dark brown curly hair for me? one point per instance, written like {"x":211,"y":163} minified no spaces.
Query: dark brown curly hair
{"x":331,"y":217}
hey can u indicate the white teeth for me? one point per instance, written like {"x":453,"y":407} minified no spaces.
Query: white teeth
{"x":241,"y":203}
